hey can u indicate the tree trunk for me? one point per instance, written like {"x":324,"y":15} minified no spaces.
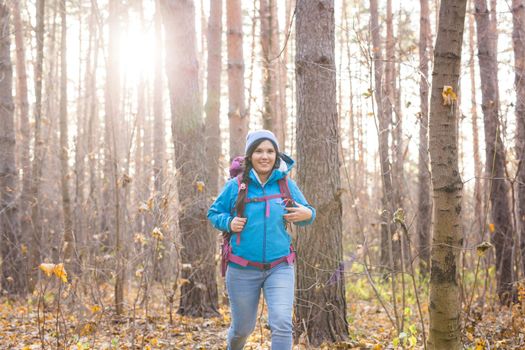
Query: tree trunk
{"x":92,"y":205}
{"x":159,"y":142}
{"x":237,"y":115}
{"x":213,"y":134}
{"x":320,"y":278}
{"x":25,"y":129}
{"x":79,"y":218}
{"x":495,"y":153}
{"x":272,"y":119}
{"x":518,"y":40}
{"x":69,"y":240}
{"x":111,"y":172}
{"x":478,"y":202}
{"x":199,"y":295}
{"x":12,"y":280}
{"x":35,"y":241}
{"x":424,"y":216}
{"x":445,"y":304}
{"x":381,"y":97}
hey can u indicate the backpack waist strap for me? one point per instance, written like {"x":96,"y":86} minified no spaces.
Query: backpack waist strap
{"x":290,"y":258}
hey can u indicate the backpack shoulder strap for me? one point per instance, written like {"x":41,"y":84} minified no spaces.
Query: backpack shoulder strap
{"x":285,"y":190}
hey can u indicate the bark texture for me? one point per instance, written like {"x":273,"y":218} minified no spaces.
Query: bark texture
{"x":213,"y":134}
{"x":321,"y":306}
{"x":236,"y":109}
{"x":35,"y":240}
{"x":69,"y":239}
{"x":199,"y":296}
{"x":495,"y":153}
{"x":478,"y":201}
{"x":272,"y":117}
{"x":518,"y":40}
{"x":445,"y":304}
{"x":384,"y":116}
{"x":158,"y":116}
{"x":25,"y":129}
{"x":424,"y":215}
{"x":11,"y":280}
{"x":112,"y":200}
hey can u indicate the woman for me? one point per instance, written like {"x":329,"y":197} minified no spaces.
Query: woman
{"x":252,"y":209}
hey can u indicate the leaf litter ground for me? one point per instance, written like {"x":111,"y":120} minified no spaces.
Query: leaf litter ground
{"x":82,"y":325}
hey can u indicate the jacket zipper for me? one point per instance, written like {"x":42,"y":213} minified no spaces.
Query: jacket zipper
{"x":264,"y":235}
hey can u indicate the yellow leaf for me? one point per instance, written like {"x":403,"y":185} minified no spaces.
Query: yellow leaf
{"x":27,"y":347}
{"x":60,"y":272}
{"x":448,"y":95}
{"x":87,"y":329}
{"x":200,"y":186}
{"x":95,"y":309}
{"x":47,"y":268}
{"x":492,"y":228}
{"x":377,"y":347}
{"x":470,"y":337}
{"x":480,"y":345}
{"x":23,"y":249}
{"x":183,"y":281}
{"x":157,"y":233}
{"x":154,"y":341}
{"x":367,"y":93}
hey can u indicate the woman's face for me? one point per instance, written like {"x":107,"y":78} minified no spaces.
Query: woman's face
{"x":263,"y":158}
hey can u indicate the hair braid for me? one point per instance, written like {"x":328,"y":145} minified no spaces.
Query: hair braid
{"x":239,"y":205}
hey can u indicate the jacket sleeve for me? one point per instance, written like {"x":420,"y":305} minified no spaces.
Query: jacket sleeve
{"x":298,"y":196}
{"x":220,"y":212}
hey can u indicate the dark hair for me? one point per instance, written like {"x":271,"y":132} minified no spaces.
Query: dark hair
{"x":245,"y":178}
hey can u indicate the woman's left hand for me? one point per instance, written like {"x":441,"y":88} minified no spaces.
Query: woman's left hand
{"x":298,"y":213}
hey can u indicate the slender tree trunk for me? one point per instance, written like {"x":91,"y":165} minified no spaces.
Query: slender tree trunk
{"x":320,"y":278}
{"x":11,"y":279}
{"x":199,"y":296}
{"x":283,"y":71}
{"x":159,"y":142}
{"x":495,"y":153}
{"x":518,"y":40}
{"x":352,"y":133}
{"x":272,"y":119}
{"x":35,"y":242}
{"x":69,"y":239}
{"x":25,"y":129}
{"x":51,"y":219}
{"x":478,"y":203}
{"x":80,"y":219}
{"x":92,"y":212}
{"x":424,"y":216}
{"x":213,"y":134}
{"x":111,"y":173}
{"x":236,"y":111}
{"x":394,"y":129}
{"x":445,"y":304}
{"x":383,"y":104}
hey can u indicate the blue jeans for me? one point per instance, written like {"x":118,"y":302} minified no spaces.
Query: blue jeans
{"x":244,"y":288}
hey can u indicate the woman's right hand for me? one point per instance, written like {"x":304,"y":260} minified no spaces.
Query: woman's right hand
{"x":237,"y":224}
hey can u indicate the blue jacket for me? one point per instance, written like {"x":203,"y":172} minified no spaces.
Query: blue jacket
{"x":263,"y":239}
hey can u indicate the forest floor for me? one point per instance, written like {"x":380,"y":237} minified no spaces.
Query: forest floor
{"x":83,"y":325}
